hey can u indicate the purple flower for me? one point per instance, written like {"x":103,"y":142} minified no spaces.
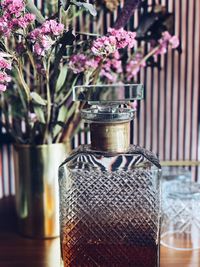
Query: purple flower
{"x":20,"y":48}
{"x":40,"y":68}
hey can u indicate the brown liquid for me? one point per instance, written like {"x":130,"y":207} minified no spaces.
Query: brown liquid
{"x":107,"y":255}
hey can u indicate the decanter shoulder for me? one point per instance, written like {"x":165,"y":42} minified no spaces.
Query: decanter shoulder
{"x":83,"y":157}
{"x":146,"y":154}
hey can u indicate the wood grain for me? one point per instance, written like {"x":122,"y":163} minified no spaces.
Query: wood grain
{"x":18,"y":251}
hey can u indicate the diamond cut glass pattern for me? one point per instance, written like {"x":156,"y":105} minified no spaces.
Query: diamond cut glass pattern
{"x":110,"y":209}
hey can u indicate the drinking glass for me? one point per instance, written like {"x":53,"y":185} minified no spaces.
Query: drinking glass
{"x":181,"y":216}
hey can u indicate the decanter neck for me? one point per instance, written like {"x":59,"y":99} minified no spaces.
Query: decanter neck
{"x":111,"y":137}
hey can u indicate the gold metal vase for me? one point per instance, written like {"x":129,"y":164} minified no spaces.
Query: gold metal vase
{"x":36,"y":186}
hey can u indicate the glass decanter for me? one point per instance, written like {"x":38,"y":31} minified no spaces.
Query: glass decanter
{"x":109,"y":190}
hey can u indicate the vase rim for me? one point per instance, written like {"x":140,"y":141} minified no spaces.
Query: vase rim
{"x":40,"y":146}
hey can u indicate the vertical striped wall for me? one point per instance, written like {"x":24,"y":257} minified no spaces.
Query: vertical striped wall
{"x":168,"y":119}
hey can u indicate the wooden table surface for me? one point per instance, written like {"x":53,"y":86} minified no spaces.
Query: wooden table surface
{"x":17,"y":251}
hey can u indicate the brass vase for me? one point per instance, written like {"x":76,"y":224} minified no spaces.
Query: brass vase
{"x":36,"y":186}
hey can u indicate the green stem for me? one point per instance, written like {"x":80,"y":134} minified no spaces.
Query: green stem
{"x":24,"y":84}
{"x":151,"y":53}
{"x":88,"y":34}
{"x":31,"y":60}
{"x":68,"y":93}
{"x":46,"y":134}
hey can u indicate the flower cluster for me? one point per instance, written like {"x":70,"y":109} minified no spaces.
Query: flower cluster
{"x":104,"y":46}
{"x":111,"y":67}
{"x":13,"y":16}
{"x":134,"y":65}
{"x":116,"y":39}
{"x":166,"y":39}
{"x":13,"y":7}
{"x":45,"y":36}
{"x":5,"y":65}
{"x":123,"y":38}
{"x":81,"y":63}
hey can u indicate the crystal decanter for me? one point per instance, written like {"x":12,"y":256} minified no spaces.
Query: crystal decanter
{"x":109,"y":190}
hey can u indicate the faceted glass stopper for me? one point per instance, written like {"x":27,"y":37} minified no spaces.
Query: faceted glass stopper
{"x":111,"y":93}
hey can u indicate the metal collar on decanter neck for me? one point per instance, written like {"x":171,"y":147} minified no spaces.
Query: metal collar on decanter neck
{"x":112,"y":137}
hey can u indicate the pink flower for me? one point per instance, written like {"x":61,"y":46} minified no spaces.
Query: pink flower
{"x":132,"y":69}
{"x":37,"y":49}
{"x":174,"y":41}
{"x":46,"y":42}
{"x":32,"y":117}
{"x":164,"y":41}
{"x":92,"y":63}
{"x":4,"y":28}
{"x":77,"y":63}
{"x":2,"y":87}
{"x":104,"y":46}
{"x":123,"y":38}
{"x":23,"y":22}
{"x":29,"y":18}
{"x":116,"y":54}
{"x":13,"y":7}
{"x":80,"y":63}
{"x":4,"y":77}
{"x":134,"y":66}
{"x":112,"y":77}
{"x":4,"y":64}
{"x":52,"y":27}
{"x":166,"y":36}
{"x":134,"y":104}
{"x":45,"y":36}
{"x":35,"y":34}
{"x":112,"y":66}
{"x":4,"y":80}
{"x":14,"y":17}
{"x":116,"y":39}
